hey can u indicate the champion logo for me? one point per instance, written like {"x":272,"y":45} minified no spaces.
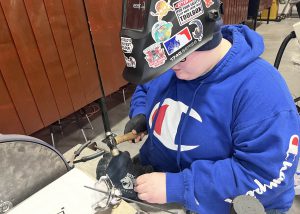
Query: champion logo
{"x":167,"y":121}
{"x":262,"y":188}
{"x":293,"y":146}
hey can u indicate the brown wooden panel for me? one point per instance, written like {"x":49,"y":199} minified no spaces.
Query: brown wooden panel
{"x":16,"y":82}
{"x":9,"y":119}
{"x":235,"y":11}
{"x":105,"y":21}
{"x":231,"y":11}
{"x":65,"y":49}
{"x":232,"y":14}
{"x":45,"y":41}
{"x":77,"y":22}
{"x":238,"y":4}
{"x":28,"y":52}
{"x":226,"y":11}
{"x":246,"y":9}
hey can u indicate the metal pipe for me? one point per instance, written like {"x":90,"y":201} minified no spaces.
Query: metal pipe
{"x":102,"y":100}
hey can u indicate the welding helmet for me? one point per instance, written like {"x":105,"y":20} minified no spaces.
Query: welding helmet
{"x":157,"y":34}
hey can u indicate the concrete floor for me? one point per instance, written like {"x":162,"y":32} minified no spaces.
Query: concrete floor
{"x":273,"y":34}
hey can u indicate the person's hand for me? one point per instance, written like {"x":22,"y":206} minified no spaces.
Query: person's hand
{"x":137,"y":125}
{"x":152,"y":187}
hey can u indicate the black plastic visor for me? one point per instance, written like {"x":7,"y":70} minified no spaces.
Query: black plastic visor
{"x":135,"y":14}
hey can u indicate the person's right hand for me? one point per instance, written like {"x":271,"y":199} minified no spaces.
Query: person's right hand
{"x":137,"y":125}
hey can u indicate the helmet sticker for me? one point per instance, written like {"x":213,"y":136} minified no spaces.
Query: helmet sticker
{"x":198,"y":32}
{"x":126,"y":44}
{"x":158,"y":34}
{"x":139,"y":5}
{"x":128,"y":181}
{"x":208,"y":3}
{"x":162,"y":9}
{"x":155,"y":55}
{"x":161,"y":31}
{"x":130,"y":61}
{"x":178,"y":41}
{"x":187,"y":10}
{"x":185,"y":49}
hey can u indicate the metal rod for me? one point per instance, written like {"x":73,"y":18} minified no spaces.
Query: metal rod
{"x":101,"y":101}
{"x":131,"y":200}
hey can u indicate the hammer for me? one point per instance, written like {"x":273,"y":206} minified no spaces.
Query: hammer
{"x":112,"y":141}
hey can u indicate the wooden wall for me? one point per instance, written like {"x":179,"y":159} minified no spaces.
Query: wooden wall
{"x":47,"y":67}
{"x":235,"y":11}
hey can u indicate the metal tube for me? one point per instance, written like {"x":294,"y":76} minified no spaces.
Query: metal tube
{"x":101,"y":101}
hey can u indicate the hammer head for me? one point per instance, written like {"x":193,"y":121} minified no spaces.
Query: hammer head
{"x":112,"y":144}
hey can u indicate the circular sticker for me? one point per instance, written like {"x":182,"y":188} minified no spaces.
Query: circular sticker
{"x":161,"y":31}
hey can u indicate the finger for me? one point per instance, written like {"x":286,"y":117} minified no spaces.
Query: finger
{"x":140,"y":188}
{"x":141,"y":179}
{"x":138,"y":139}
{"x":134,"y":131}
{"x":143,"y":196}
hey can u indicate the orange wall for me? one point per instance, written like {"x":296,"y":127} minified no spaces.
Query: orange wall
{"x":47,"y":65}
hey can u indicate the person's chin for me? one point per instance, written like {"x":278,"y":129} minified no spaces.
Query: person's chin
{"x":180,"y":74}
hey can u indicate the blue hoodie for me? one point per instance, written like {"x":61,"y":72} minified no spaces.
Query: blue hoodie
{"x":233,"y":131}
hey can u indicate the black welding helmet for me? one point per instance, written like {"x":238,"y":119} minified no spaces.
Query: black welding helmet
{"x":157,"y":34}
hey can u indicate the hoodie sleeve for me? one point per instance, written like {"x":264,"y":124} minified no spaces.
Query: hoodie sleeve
{"x":264,"y":160}
{"x":138,"y":100}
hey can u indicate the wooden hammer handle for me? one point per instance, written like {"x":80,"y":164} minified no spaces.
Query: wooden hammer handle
{"x":126,"y":137}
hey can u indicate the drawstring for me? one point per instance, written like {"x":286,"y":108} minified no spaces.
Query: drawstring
{"x":184,"y":122}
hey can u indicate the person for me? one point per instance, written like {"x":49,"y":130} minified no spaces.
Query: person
{"x":220,"y":120}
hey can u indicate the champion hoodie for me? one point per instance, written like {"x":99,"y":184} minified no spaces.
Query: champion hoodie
{"x":233,"y":131}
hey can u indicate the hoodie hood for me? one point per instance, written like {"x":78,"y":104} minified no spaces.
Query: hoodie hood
{"x":247,"y":46}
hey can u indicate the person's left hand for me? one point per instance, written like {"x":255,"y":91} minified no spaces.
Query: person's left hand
{"x":151,"y":187}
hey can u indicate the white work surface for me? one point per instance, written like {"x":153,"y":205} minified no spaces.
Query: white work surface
{"x":89,"y":168}
{"x":66,"y":195}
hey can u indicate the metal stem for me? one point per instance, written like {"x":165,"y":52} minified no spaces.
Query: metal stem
{"x":101,"y":100}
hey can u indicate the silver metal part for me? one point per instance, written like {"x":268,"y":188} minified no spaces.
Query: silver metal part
{"x":114,"y":196}
{"x":111,"y":197}
{"x":5,"y":206}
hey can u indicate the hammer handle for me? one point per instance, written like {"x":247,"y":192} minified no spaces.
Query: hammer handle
{"x":126,"y":137}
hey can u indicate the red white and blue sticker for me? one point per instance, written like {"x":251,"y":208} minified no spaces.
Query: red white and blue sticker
{"x":187,"y":10}
{"x":208,"y":3}
{"x":155,"y":55}
{"x":126,"y":44}
{"x":178,"y":41}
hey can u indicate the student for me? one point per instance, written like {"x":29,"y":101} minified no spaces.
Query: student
{"x":220,"y":120}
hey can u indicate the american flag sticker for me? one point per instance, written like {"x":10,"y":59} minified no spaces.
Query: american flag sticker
{"x":178,"y":41}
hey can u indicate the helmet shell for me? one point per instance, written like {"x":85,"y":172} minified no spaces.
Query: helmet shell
{"x":157,"y":34}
